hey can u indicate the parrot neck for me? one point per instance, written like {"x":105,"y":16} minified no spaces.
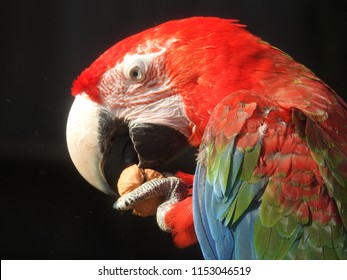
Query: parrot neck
{"x":255,"y":69}
{"x":230,"y":60}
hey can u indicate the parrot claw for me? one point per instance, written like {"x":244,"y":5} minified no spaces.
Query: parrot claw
{"x":124,"y":203}
{"x":171,"y":188}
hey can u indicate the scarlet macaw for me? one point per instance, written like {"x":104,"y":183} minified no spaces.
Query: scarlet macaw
{"x":271,"y":172}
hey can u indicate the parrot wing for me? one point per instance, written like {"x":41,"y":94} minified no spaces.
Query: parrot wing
{"x":269,"y":183}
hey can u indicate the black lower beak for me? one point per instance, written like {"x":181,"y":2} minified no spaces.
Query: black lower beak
{"x":156,"y":145}
{"x":148,"y":145}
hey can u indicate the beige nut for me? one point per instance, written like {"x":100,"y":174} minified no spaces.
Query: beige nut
{"x":131,"y":178}
{"x":152,"y":174}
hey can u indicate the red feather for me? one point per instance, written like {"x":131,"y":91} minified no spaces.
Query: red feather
{"x":180,"y":219}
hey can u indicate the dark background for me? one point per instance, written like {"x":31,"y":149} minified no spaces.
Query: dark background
{"x":48,"y":210}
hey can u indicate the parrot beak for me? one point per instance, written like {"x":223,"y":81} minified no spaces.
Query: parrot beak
{"x":101,"y":145}
{"x":85,"y":143}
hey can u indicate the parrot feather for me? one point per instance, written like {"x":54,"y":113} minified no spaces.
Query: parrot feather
{"x":287,"y":226}
{"x":216,"y":238}
{"x":245,"y":196}
{"x":250,"y":161}
{"x":288,"y":244}
{"x":244,"y":235}
{"x":224,"y":169}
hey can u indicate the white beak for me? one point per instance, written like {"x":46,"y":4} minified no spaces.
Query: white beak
{"x":82,"y":135}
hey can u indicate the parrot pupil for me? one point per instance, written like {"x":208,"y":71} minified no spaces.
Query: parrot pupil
{"x":135,"y":74}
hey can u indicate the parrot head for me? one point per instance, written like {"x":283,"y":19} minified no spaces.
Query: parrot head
{"x":150,"y":97}
{"x":143,"y":91}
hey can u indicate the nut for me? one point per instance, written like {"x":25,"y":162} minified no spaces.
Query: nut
{"x":130,"y":179}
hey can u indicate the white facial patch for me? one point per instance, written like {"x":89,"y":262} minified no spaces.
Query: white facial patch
{"x":168,"y":111}
{"x":119,"y":87}
{"x":149,"y":99}
{"x":140,"y":60}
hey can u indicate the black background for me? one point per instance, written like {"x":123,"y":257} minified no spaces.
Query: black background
{"x":48,"y":211}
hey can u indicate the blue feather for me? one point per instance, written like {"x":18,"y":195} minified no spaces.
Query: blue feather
{"x":199,"y":213}
{"x":243,"y":233}
{"x":216,"y":240}
{"x":220,"y":206}
{"x":220,"y":234}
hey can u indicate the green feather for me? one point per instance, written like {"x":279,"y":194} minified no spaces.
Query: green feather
{"x":320,"y":242}
{"x":229,"y":214}
{"x":235,"y":168}
{"x":334,"y":158}
{"x":313,"y":232}
{"x":268,"y":243}
{"x":323,"y":235}
{"x":275,"y":243}
{"x":301,"y":253}
{"x":292,"y":252}
{"x":213,"y":163}
{"x":342,"y":249}
{"x":271,"y":243}
{"x":270,"y":213}
{"x":224,"y":168}
{"x":261,"y":238}
{"x":330,"y":254}
{"x":250,"y":161}
{"x":335,"y":190}
{"x":288,"y":244}
{"x":337,"y":235}
{"x":313,"y":251}
{"x":287,"y":226}
{"x":244,"y":198}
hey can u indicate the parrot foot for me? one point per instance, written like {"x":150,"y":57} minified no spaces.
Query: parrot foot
{"x":171,"y":188}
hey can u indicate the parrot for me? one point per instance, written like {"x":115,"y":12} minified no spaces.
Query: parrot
{"x":270,"y":179}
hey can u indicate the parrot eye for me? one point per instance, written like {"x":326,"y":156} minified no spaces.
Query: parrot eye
{"x":136,"y":74}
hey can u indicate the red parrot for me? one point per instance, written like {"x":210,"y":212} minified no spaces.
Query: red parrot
{"x":271,"y":169}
